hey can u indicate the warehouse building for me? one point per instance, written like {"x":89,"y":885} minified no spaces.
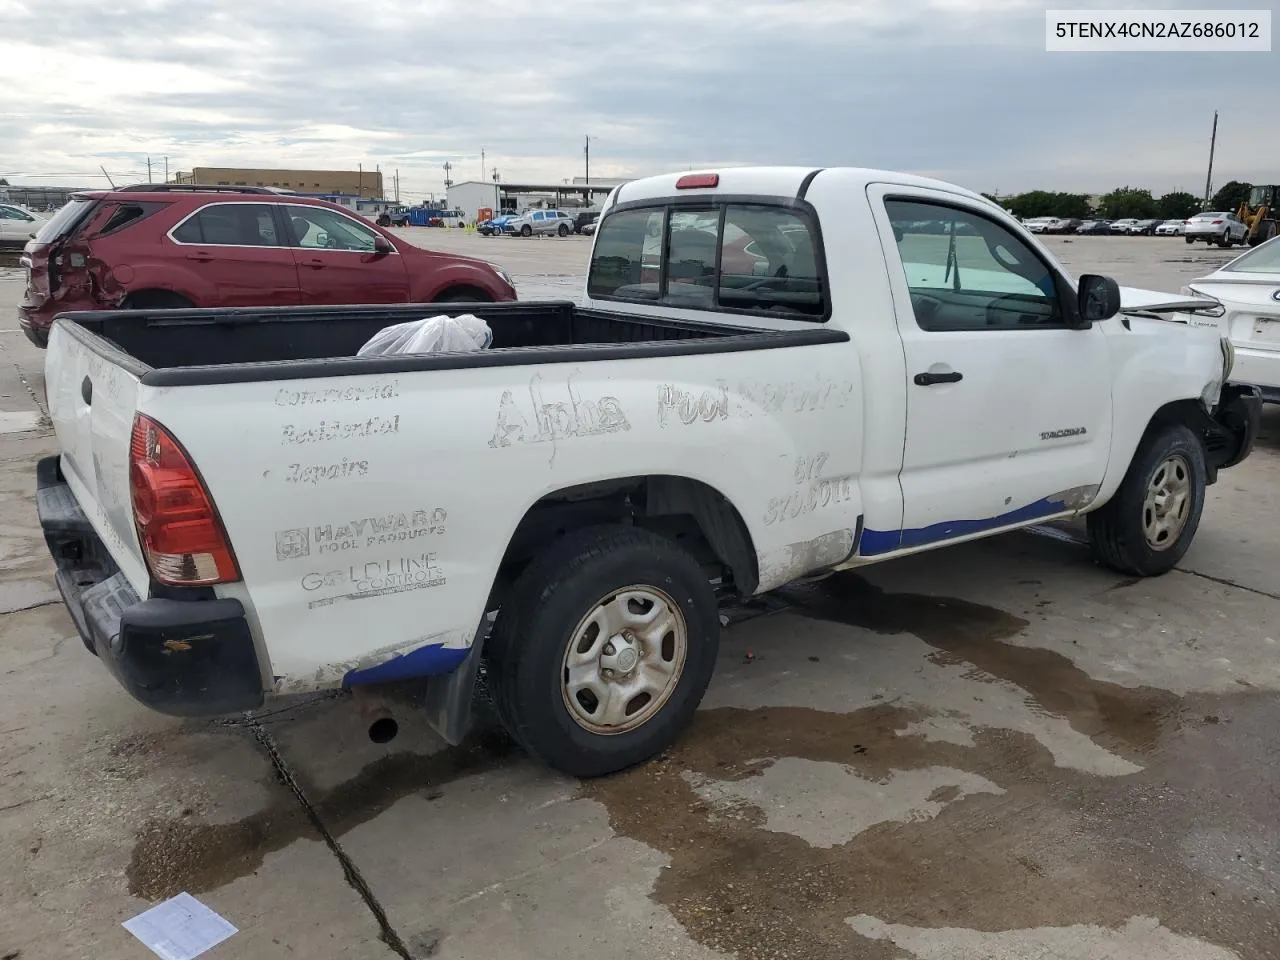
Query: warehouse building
{"x":472,"y":196}
{"x":354,"y":183}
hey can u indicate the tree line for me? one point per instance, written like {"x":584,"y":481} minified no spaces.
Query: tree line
{"x":1122,"y":202}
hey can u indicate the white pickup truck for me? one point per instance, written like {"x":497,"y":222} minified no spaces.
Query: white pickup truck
{"x":777,"y":372}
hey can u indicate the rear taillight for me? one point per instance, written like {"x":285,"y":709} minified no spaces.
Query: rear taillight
{"x":182,"y":539}
{"x":1216,"y":222}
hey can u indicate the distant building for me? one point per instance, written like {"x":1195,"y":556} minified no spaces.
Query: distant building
{"x":41,"y":198}
{"x":355,"y":183}
{"x":471,"y":196}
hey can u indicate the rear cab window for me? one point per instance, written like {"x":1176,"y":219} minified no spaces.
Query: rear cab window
{"x":747,"y":257}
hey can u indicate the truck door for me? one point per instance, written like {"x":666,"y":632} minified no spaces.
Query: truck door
{"x":1008,"y":409}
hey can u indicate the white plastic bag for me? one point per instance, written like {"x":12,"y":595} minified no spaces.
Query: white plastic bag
{"x":442,"y":334}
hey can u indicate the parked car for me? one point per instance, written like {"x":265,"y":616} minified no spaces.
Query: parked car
{"x":1248,"y":288}
{"x":541,"y":223}
{"x":1123,"y":225}
{"x":1171,"y":228}
{"x":1041,"y":224}
{"x":584,"y":219}
{"x":17,"y":225}
{"x":154,"y":247}
{"x":589,"y":229}
{"x":1143,"y":228}
{"x":495,"y":226}
{"x":208,"y":521}
{"x":1224,"y":229}
{"x":1094,"y":227}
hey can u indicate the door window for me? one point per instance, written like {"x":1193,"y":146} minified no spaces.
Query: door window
{"x":967,"y":272}
{"x":229,"y":224}
{"x":626,"y":260}
{"x":317,"y":228}
{"x":13,"y":213}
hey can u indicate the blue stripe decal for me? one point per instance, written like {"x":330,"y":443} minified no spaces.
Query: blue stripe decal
{"x":424,"y":662}
{"x":886,"y":541}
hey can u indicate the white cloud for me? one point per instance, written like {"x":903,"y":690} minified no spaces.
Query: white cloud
{"x":961,"y":88}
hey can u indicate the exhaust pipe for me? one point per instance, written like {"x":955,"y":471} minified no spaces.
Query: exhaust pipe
{"x":377,"y":717}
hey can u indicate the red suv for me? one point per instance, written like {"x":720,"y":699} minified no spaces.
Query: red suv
{"x":171,"y":246}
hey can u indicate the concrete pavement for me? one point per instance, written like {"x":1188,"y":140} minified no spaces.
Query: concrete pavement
{"x":994,"y":751}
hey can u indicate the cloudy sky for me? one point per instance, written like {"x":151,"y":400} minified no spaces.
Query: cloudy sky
{"x":961,"y":89}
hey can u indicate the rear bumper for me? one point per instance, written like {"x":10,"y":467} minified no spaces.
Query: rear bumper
{"x":185,"y":658}
{"x":35,"y":326}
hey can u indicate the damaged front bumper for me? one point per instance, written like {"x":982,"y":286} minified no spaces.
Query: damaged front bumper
{"x":1230,"y":431}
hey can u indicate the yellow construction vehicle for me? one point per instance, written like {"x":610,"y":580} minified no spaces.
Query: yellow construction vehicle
{"x":1260,"y":212}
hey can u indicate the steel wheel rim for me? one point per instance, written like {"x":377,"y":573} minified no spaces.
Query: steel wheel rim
{"x":1167,"y":504}
{"x":624,"y":660}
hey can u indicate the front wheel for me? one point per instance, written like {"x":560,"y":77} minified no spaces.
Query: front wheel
{"x":603,"y":650}
{"x":1225,"y":242}
{"x":1145,"y":529}
{"x":526,"y":231}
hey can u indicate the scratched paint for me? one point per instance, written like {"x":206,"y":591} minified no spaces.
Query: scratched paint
{"x":782,"y":565}
{"x":1075,"y":498}
{"x":327,"y":676}
{"x":804,"y":396}
{"x":383,"y":390}
{"x":543,"y":417}
{"x":359,"y":533}
{"x":328,"y":430}
{"x":692,"y":406}
{"x":812,"y":491}
{"x":317,"y":473}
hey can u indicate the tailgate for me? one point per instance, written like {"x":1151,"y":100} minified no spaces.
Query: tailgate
{"x":92,"y":399}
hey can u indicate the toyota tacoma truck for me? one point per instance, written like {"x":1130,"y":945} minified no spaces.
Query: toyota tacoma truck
{"x":775,"y":373}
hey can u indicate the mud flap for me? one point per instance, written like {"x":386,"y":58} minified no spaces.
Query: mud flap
{"x":1231,"y":431}
{"x":448,"y":697}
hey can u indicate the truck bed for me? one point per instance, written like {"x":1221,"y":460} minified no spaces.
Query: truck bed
{"x":207,"y":346}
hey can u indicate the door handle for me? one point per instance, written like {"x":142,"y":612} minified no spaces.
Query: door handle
{"x":929,"y":379}
{"x":314,"y":264}
{"x":201,"y":256}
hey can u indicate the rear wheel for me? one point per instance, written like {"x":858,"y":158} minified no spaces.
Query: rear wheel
{"x":1190,"y":239}
{"x":1225,"y":240}
{"x":1145,"y":529}
{"x":563,"y":230}
{"x":603,"y":650}
{"x":526,"y":231}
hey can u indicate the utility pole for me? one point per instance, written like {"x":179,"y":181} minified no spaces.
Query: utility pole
{"x":397,"y":186}
{"x":166,"y":169}
{"x":1208,"y":180}
{"x":587,"y":151}
{"x":483,"y":168}
{"x":447,"y":182}
{"x":148,"y":170}
{"x":360,"y":180}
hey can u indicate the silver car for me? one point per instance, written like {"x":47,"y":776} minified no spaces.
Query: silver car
{"x":1224,"y":229}
{"x":541,"y":222}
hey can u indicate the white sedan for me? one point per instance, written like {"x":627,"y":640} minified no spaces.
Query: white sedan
{"x":1172,"y":228}
{"x":1249,"y":290}
{"x":17,"y":225}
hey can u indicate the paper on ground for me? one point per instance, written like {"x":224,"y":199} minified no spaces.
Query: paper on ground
{"x":181,"y":928}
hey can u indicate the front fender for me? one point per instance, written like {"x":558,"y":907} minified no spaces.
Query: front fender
{"x":426,"y":287}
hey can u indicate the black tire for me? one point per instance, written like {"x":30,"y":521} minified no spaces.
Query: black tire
{"x":525,"y":654}
{"x":1190,"y":239}
{"x":1116,"y":531}
{"x":461,"y":297}
{"x":526,"y":231}
{"x":563,"y":230}
{"x":157,"y":300}
{"x":1225,"y":240}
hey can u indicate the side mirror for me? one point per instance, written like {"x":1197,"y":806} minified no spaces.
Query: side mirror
{"x":1097,"y":299}
{"x":382,"y":246}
